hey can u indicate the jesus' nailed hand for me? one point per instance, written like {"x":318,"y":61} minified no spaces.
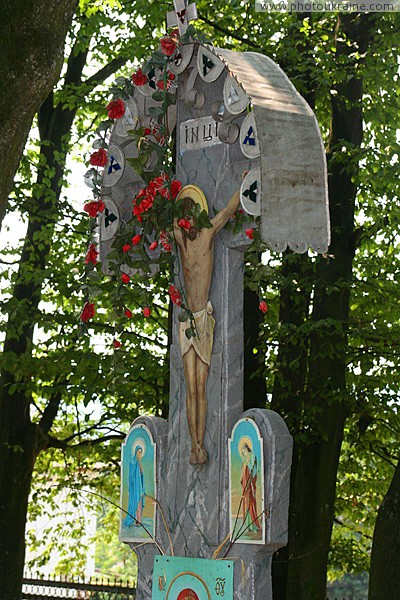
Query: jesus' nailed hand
{"x":196,"y":253}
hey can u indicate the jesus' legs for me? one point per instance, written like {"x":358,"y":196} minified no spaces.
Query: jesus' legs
{"x":201,"y":383}
{"x":189,"y":367}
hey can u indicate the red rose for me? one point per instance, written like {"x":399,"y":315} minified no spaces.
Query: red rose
{"x":164,"y":242}
{"x":92,"y":254}
{"x":136,"y":239}
{"x":116,"y":109}
{"x":153,"y":245}
{"x":159,"y":183}
{"x":126,"y":248}
{"x":250,"y":233}
{"x":88,"y":312}
{"x":168,"y":45}
{"x":263,"y":306}
{"x":160,"y":139}
{"x":146,"y":203}
{"x":170,"y":79}
{"x":176,"y":187}
{"x":184,"y":224}
{"x":146,"y":311}
{"x":99,"y":158}
{"x":92,"y":208}
{"x":125,"y":278}
{"x":137,"y":210}
{"x":116,"y":344}
{"x":128,"y":313}
{"x":165,"y":192}
{"x":147,"y":131}
{"x":139,"y":78}
{"x":175,"y":295}
{"x":151,"y":190}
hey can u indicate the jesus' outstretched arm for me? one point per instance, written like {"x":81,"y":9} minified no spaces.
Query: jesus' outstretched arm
{"x":222,"y":217}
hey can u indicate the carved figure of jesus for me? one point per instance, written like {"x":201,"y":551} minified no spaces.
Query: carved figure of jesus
{"x":196,"y":252}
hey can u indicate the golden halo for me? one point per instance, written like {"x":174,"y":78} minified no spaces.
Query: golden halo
{"x":139,"y":442}
{"x":244,"y":440}
{"x":196,"y":194}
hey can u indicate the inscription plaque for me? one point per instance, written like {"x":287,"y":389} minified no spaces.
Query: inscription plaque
{"x":199,"y":133}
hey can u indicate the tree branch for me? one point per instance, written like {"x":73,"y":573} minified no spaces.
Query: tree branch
{"x":87,"y":430}
{"x":383,"y":457}
{"x":231,"y":34}
{"x":105,"y":72}
{"x":55,"y":443}
{"x":50,"y":412}
{"x":129,"y":334}
{"x":339,"y":522}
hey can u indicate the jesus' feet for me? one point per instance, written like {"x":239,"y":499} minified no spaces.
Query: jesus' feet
{"x":201,"y":454}
{"x":193,"y":457}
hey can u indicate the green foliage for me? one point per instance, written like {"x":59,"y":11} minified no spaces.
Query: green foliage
{"x":98,"y":392}
{"x":304,"y":47}
{"x":112,"y":558}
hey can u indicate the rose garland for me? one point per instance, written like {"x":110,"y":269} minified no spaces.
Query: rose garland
{"x":148,"y":240}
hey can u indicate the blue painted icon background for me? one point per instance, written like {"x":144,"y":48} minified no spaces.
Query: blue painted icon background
{"x":198,"y":574}
{"x":139,"y":434}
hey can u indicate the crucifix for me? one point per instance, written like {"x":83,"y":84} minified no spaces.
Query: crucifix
{"x":182,"y":15}
{"x":235,"y":113}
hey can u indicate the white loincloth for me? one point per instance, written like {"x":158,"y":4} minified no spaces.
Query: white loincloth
{"x":202,"y":343}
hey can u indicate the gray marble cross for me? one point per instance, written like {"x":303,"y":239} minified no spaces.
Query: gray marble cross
{"x":235,"y":112}
{"x":196,"y":499}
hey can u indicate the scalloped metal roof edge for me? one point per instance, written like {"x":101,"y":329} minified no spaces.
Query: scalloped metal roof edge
{"x":295,"y":212}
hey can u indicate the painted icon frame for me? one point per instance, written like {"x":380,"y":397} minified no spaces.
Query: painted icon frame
{"x":246,"y":483}
{"x":138,"y":485}
{"x":183,"y":578}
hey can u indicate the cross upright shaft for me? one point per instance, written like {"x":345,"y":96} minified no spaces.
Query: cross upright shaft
{"x":197,"y":501}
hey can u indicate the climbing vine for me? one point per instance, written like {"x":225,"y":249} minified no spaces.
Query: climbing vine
{"x":147,"y":243}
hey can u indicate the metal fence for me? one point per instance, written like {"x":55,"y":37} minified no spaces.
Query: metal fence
{"x":92,"y":589}
{"x":57,"y":588}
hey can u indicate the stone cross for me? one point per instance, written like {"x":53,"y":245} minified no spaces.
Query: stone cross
{"x":181,"y":16}
{"x":279,"y":144}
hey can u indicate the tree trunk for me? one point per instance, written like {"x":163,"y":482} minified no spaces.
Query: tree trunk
{"x":32,"y":37}
{"x":300,"y":569}
{"x":385,"y":557}
{"x":21,"y":439}
{"x":17,"y":457}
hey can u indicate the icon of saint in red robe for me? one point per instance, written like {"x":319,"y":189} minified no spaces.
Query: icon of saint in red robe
{"x":248,"y":481}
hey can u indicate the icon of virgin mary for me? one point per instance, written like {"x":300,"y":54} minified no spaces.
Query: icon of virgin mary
{"x":136,"y":487}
